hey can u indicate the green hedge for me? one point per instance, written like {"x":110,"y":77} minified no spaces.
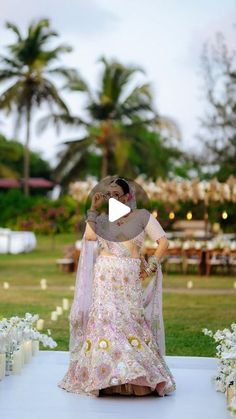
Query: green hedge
{"x":43,"y":215}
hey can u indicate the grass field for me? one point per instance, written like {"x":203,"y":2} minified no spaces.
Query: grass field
{"x":185,"y":312}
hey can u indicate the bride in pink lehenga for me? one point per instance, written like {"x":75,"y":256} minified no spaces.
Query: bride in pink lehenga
{"x":117,"y":339}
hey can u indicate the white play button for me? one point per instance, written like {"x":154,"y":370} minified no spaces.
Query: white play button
{"x":116,"y":209}
{"x":111,"y":210}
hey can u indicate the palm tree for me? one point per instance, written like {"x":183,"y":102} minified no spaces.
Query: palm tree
{"x":109,"y":111}
{"x":28,"y":67}
{"x":113,"y":115}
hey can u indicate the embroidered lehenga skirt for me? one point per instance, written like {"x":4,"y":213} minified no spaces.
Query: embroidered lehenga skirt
{"x":119,"y":354}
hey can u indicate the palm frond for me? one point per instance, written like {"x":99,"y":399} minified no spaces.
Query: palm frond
{"x":114,"y":78}
{"x":12,"y":97}
{"x":69,"y":156}
{"x":7,"y":74}
{"x":50,"y":55}
{"x":59,"y":120}
{"x":74,"y":81}
{"x":170,"y":125}
{"x":14,"y":29}
{"x":11,"y":63}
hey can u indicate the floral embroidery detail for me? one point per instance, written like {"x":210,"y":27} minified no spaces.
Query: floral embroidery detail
{"x":147,"y":341}
{"x":152,"y":379}
{"x":83,"y":374}
{"x":114,"y":380}
{"x":126,"y":279}
{"x":103,"y":370}
{"x":103,"y":344}
{"x":88,"y":344}
{"x":121,"y":367}
{"x":134,"y":341}
{"x":102,"y":277}
{"x":116,"y":354}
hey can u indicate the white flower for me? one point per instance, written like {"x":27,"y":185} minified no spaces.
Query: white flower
{"x":207,"y":332}
{"x":230,"y":354}
{"x":226,"y":352}
{"x":233,"y":403}
{"x":16,"y":329}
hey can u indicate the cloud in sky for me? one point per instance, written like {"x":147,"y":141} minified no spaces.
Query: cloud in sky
{"x":165,"y":38}
{"x":85,"y":18}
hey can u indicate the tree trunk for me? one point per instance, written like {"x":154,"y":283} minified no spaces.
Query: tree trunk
{"x":104,"y":168}
{"x":26,"y":154}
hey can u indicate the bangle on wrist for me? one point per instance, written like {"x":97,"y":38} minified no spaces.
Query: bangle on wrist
{"x":88,"y":220}
{"x":153,"y":263}
{"x":148,"y":271}
{"x":92,"y":211}
{"x":91,"y":216}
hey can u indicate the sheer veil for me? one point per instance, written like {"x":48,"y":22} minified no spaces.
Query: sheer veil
{"x":83,"y":294}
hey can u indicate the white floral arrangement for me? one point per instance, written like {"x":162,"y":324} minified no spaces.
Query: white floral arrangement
{"x":215,"y":244}
{"x":170,"y":191}
{"x":219,"y":242}
{"x":175,"y":243}
{"x":226,"y":353}
{"x":16,"y":329}
{"x":192,"y":244}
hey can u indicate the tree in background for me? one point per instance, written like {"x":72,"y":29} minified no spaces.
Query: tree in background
{"x":115,"y":117}
{"x":218,"y":126}
{"x":12,"y":157}
{"x":28,"y":68}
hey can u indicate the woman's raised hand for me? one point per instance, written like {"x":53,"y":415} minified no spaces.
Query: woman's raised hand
{"x":97,"y":200}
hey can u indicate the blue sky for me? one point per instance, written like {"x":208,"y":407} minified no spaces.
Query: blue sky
{"x":164,"y":37}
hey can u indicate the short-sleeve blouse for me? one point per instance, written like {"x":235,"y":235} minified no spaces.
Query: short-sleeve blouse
{"x":131,"y":247}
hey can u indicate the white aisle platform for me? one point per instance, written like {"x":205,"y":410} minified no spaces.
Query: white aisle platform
{"x":34,"y":394}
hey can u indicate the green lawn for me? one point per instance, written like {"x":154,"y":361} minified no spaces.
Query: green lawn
{"x":185,"y":313}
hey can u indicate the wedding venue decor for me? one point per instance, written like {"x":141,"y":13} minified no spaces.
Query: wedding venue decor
{"x":15,"y":242}
{"x":19,"y":341}
{"x":54,"y":316}
{"x":205,"y":255}
{"x":43,"y":284}
{"x":65,"y":304}
{"x":190,"y":190}
{"x":177,"y":200}
{"x":225,"y":377}
{"x":171,"y":191}
{"x":40,"y":324}
{"x":188,"y":251}
{"x":59,"y":310}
